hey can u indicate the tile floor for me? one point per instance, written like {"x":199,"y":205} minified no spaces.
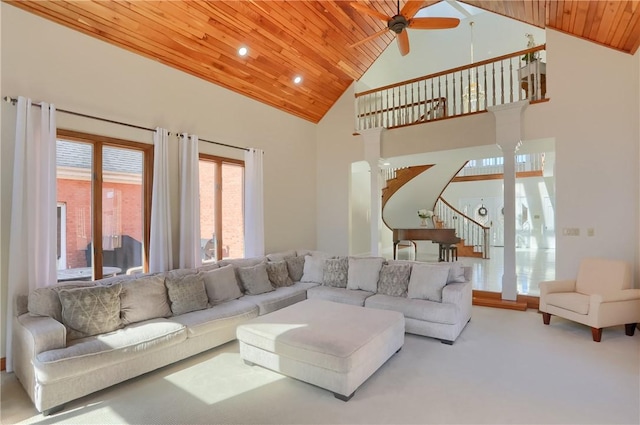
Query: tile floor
{"x":532,"y":267}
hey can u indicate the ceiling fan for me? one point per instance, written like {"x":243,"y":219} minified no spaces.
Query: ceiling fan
{"x":402,"y":20}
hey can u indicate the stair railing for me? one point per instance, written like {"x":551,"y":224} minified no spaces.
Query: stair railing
{"x":459,"y":91}
{"x":473,"y":233}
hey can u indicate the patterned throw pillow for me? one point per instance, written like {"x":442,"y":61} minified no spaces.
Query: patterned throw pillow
{"x":394,"y":280}
{"x":144,"y":298}
{"x":278,"y":274}
{"x":186,"y":292}
{"x":335,"y":272}
{"x":295,"y":265}
{"x":90,"y":311}
{"x":255,"y":279}
{"x":427,"y":281}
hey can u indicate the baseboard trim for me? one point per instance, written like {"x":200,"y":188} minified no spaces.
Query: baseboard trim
{"x":494,"y":299}
{"x":3,"y":364}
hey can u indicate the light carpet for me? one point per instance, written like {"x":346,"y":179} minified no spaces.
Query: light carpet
{"x":506,"y":367}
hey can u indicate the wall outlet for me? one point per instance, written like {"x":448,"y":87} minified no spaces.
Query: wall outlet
{"x":591,"y":231}
{"x":571,"y":231}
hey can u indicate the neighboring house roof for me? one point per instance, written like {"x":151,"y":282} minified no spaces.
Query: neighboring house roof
{"x":117,"y":160}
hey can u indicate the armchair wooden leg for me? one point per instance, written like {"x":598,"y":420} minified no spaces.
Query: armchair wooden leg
{"x":546,"y":318}
{"x":630,"y":328}
{"x":597,"y":334}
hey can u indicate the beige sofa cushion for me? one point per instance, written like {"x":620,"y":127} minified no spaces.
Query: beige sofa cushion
{"x":427,"y":281}
{"x":364,"y":273}
{"x":91,"y":311}
{"x":46,"y":302}
{"x":144,"y":298}
{"x":572,"y":301}
{"x":221,"y":285}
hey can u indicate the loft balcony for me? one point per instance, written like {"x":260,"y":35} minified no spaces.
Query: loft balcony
{"x":461,"y":91}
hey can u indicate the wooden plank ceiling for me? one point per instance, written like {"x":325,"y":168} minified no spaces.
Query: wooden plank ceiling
{"x":306,"y":38}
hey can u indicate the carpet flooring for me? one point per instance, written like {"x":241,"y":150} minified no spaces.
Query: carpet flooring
{"x":505,"y":368}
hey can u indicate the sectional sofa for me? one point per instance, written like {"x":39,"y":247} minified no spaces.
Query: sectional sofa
{"x":75,"y":338}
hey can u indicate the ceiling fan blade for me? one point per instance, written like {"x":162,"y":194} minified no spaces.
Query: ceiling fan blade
{"x":411,"y":7}
{"x":403,"y":42}
{"x":433,"y":23}
{"x":368,"y":11}
{"x":371,"y":37}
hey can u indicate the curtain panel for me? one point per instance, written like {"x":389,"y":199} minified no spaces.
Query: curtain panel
{"x":161,"y":247}
{"x":190,"y":255}
{"x":253,"y":203}
{"x":33,"y":235}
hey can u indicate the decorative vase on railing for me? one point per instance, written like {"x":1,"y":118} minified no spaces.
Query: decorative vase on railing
{"x":426,"y":218}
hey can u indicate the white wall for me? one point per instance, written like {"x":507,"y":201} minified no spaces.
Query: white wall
{"x":48,"y":62}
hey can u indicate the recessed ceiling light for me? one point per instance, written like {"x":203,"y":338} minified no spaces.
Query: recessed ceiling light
{"x":297,"y":79}
{"x":243,"y":51}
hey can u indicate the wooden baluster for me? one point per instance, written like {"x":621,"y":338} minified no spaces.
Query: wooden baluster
{"x":493,"y":82}
{"x":453,"y":96}
{"x":484,"y":77}
{"x":393,"y":107}
{"x":437,"y":104}
{"x":469,"y":90}
{"x":477,"y":90}
{"x":511,"y":79}
{"x":461,"y":94}
{"x":502,"y":82}
{"x":412,"y":106}
{"x":386,"y":113}
{"x":446,"y":95}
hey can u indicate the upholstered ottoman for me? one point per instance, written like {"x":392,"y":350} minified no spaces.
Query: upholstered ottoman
{"x":331,"y":345}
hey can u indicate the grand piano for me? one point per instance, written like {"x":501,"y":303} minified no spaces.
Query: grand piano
{"x":441,"y":236}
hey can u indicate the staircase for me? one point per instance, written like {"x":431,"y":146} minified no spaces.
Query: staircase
{"x":474,"y":236}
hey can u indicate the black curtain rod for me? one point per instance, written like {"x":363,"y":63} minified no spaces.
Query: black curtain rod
{"x":220,"y":144}
{"x":13,"y":101}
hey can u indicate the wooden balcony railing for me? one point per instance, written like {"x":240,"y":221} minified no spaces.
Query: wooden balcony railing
{"x":459,"y":91}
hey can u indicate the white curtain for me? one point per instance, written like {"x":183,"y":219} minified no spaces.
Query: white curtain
{"x":161,"y":249}
{"x":190,"y":255}
{"x":33,"y":234}
{"x":253,"y":204}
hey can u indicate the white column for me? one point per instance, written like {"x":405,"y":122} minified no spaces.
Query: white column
{"x":508,"y":138}
{"x":372,"y":144}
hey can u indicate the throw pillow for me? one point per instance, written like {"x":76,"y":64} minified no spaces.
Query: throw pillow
{"x":46,"y":302}
{"x":335,"y":272}
{"x":280,"y":256}
{"x":313,"y":269}
{"x":364,"y":273}
{"x":456,"y":273}
{"x":255,"y":279}
{"x":221,"y":285}
{"x":186,"y":293}
{"x":394,"y":280}
{"x":143,"y":299}
{"x":90,"y":311}
{"x":278,"y":274}
{"x":427,"y":281}
{"x":295,"y":265}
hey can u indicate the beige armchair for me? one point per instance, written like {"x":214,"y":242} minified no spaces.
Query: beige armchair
{"x":601,"y":296}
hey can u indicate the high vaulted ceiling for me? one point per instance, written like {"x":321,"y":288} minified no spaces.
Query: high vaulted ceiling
{"x":307,"y":38}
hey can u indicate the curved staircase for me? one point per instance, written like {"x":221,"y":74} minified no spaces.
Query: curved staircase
{"x":412,"y":188}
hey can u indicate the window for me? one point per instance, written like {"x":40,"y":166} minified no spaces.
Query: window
{"x":221,"y":207}
{"x":104,"y":188}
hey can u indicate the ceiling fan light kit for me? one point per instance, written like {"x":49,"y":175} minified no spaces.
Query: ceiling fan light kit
{"x":404,"y":19}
